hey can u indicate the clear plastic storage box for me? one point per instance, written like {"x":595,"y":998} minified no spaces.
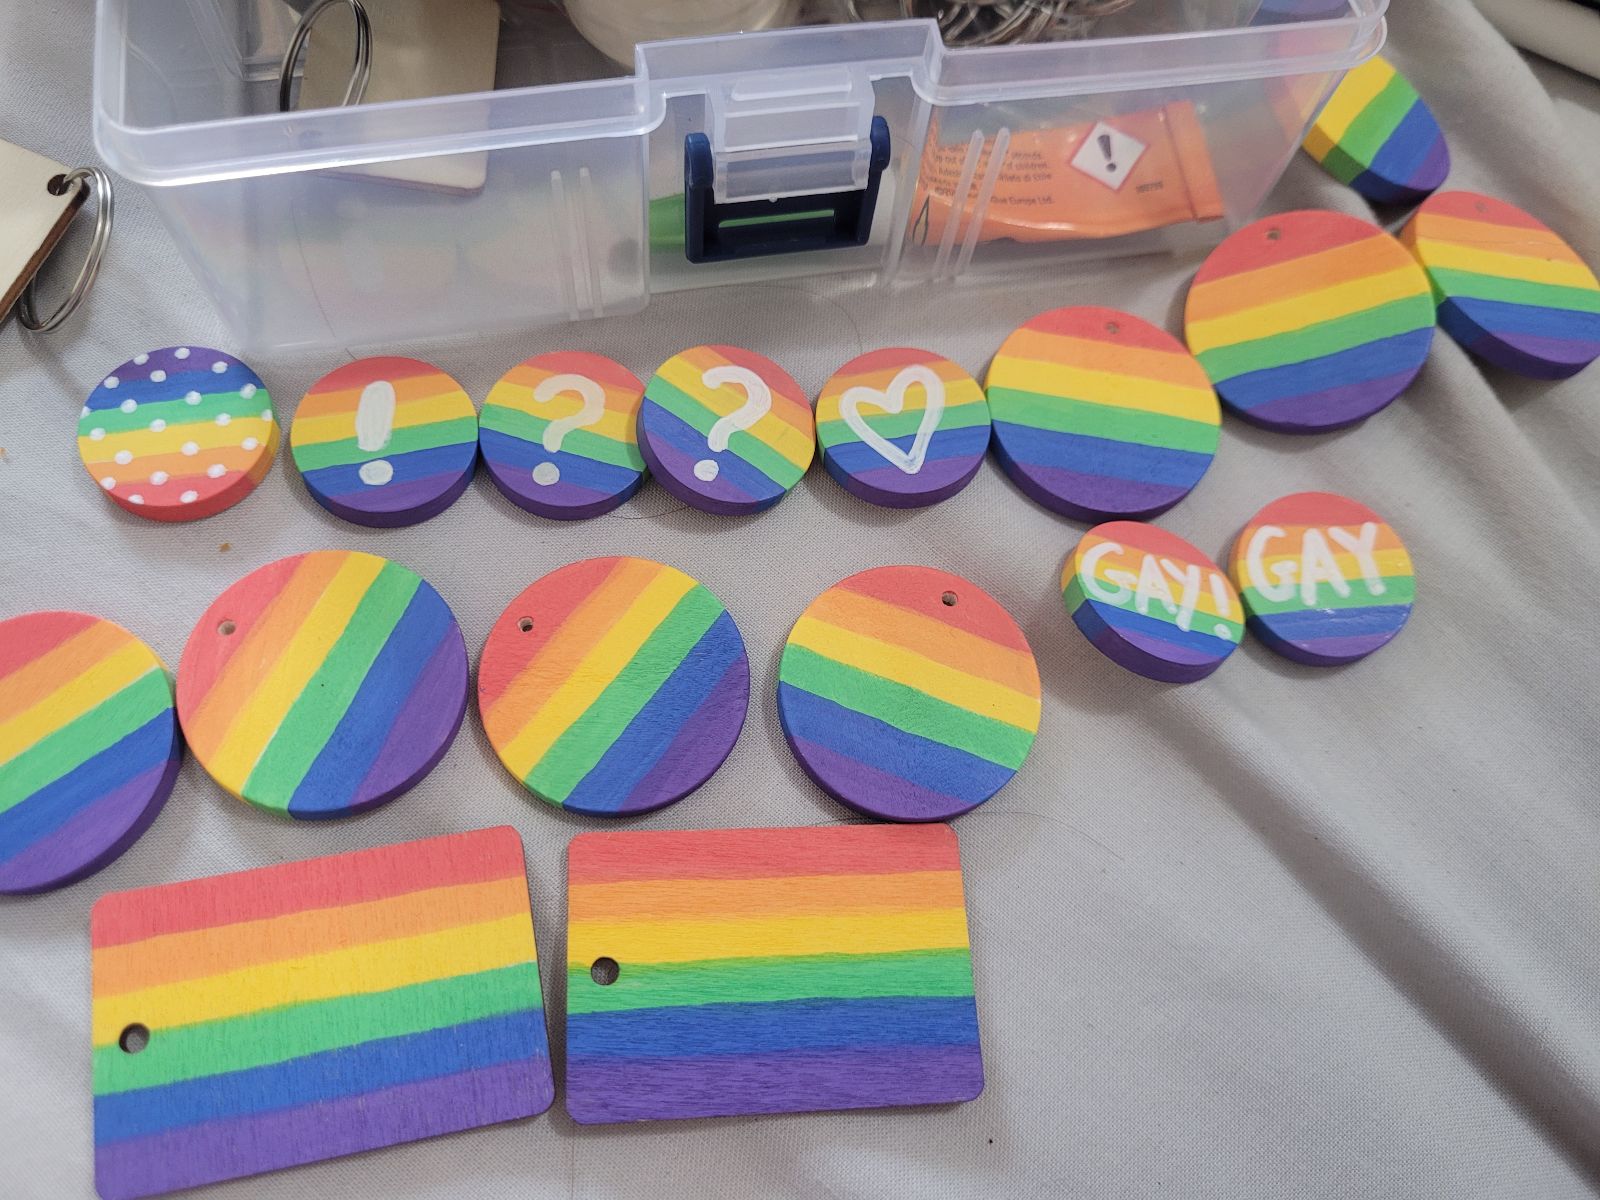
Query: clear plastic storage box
{"x":578,"y":187}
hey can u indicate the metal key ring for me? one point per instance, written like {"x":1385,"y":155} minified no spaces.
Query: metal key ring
{"x":360,"y":69}
{"x":99,"y":185}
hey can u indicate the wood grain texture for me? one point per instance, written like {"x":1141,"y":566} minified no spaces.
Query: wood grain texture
{"x":1324,"y":580}
{"x":1309,"y":321}
{"x":386,"y":441}
{"x":315,"y":1009}
{"x":1151,"y":602}
{"x":1099,"y":414}
{"x":559,"y":435}
{"x":903,"y":428}
{"x":768,"y":970}
{"x":89,"y":746}
{"x":178,"y":434}
{"x":1376,"y":135}
{"x":1509,"y":289}
{"x":323,"y":684}
{"x":908,"y":693}
{"x":613,"y":686}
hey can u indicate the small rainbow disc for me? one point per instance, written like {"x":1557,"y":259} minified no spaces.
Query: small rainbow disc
{"x":1376,"y":135}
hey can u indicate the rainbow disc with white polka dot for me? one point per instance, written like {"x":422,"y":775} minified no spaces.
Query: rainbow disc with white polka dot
{"x":178,"y":434}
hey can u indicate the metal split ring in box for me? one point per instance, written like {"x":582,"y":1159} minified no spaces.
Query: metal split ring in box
{"x":99,"y":185}
{"x":360,"y":69}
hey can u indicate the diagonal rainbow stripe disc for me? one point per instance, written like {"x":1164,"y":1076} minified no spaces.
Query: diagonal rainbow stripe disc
{"x":908,"y":693}
{"x":1376,"y":135}
{"x":1309,"y":321}
{"x":89,"y":746}
{"x":323,"y":684}
{"x":613,"y":686}
{"x":1509,"y":289}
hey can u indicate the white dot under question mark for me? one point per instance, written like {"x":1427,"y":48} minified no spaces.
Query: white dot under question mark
{"x":555,"y":432}
{"x":757,"y":404}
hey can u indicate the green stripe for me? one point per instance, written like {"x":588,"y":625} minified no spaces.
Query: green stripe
{"x":345,"y":452}
{"x":904,"y":707}
{"x":588,"y":739}
{"x":1375,"y":124}
{"x":1397,"y":317}
{"x":1064,"y":414}
{"x":176,"y":412}
{"x":744,"y":444}
{"x":275,"y":1035}
{"x":1200,"y":622}
{"x":321,"y":705}
{"x":1472,"y":285}
{"x":889,"y":425}
{"x":75,"y":743}
{"x":583,"y":442}
{"x":1398,"y":589}
{"x":768,"y":980}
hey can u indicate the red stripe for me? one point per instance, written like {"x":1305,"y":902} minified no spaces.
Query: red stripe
{"x":1315,"y":508}
{"x":1151,"y":539}
{"x":555,"y":597}
{"x":368,"y":370}
{"x":1465,"y":205}
{"x":1089,"y":322}
{"x":1304,"y":233}
{"x":608,"y":373}
{"x":331,"y":882}
{"x":921,"y":590}
{"x":33,"y":635}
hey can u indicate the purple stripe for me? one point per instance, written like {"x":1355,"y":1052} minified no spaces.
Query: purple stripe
{"x":1124,"y":498}
{"x":218,"y":1150}
{"x":1333,"y":408}
{"x":889,"y":485}
{"x":1153,"y":658}
{"x":398,"y":503}
{"x":613,"y":1089}
{"x":1328,"y":651}
{"x":684,"y":766}
{"x":424,"y":721}
{"x":843,"y":777}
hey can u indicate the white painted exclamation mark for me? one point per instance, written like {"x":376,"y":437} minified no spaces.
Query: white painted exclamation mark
{"x":374,"y":428}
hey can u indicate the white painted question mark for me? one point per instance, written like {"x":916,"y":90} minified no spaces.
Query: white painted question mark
{"x":374,"y":428}
{"x":594,"y":407}
{"x":757,"y":404}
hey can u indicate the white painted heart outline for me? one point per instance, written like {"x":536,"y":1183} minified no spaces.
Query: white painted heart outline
{"x":893,"y":400}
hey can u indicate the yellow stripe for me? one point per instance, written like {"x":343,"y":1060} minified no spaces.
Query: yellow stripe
{"x":776,"y":433}
{"x":777,"y":937}
{"x":258,"y":718}
{"x":142,"y":443}
{"x":339,"y":426}
{"x":1105,"y":387}
{"x":1391,"y":563}
{"x":359,"y":970}
{"x":1349,"y":100}
{"x":906,"y":667}
{"x":572,"y":698}
{"x":70,"y":701}
{"x":618,"y":426}
{"x":1452,"y":255}
{"x":1302,"y":312}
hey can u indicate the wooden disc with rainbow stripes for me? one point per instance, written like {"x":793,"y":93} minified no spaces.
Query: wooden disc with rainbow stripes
{"x":559,"y":434}
{"x":726,"y":430}
{"x":1151,"y":602}
{"x":908,"y":693}
{"x":1100,"y":414}
{"x":902,"y":428}
{"x":178,"y":434}
{"x":1308,"y":321}
{"x":1324,"y":579}
{"x":1509,"y":289}
{"x":1376,"y":135}
{"x":89,"y":746}
{"x":323,"y":684}
{"x":613,"y":686}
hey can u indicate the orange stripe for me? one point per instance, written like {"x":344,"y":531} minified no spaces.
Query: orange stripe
{"x":1387,"y":539}
{"x":411,"y":390}
{"x":1540,"y":244}
{"x":235,"y":460}
{"x":788,"y":409}
{"x":1086,"y":354}
{"x":618,"y":399}
{"x":1297,"y":277}
{"x":880,"y":379}
{"x":50,"y":672}
{"x":791,"y":896}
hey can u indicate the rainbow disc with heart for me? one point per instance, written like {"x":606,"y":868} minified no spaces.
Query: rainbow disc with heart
{"x":726,"y":430}
{"x":1323,"y":578}
{"x":901,"y":427}
{"x":1510,"y":290}
{"x":1100,"y":414}
{"x":559,"y":434}
{"x":1376,"y":135}
{"x":908,"y":693}
{"x":1309,"y":321}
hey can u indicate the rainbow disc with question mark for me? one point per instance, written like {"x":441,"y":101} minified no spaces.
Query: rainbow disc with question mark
{"x":726,"y":430}
{"x":558,"y":434}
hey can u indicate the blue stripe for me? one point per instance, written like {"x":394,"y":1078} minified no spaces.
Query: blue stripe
{"x":932,"y":765}
{"x":856,"y":457}
{"x":1375,"y":360}
{"x":177,"y":384}
{"x":1405,"y":153}
{"x":1496,"y":316}
{"x":329,"y":1075}
{"x":329,"y":787}
{"x":683,"y":437}
{"x":735,"y":1029}
{"x":345,"y":481}
{"x":1104,"y":457}
{"x":1314,"y":623}
{"x":516,"y":456}
{"x":1092,"y":615}
{"x":640,"y":746}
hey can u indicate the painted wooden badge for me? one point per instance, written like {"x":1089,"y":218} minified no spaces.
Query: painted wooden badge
{"x":613,"y":686}
{"x":323,"y":684}
{"x":1151,"y":602}
{"x":1509,"y":289}
{"x":908,"y":693}
{"x":294,"y":1013}
{"x":89,"y":747}
{"x":1100,"y":414}
{"x":385,"y":441}
{"x":902,"y":428}
{"x":178,"y":434}
{"x":1376,"y":135}
{"x":733,"y":971}
{"x":726,"y":430}
{"x":559,"y":434}
{"x":1308,"y":321}
{"x":1324,"y":579}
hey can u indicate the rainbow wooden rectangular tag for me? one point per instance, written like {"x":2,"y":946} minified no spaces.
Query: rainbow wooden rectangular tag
{"x":724,"y":972}
{"x":300,"y":1012}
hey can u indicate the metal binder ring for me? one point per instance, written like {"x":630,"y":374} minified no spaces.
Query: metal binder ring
{"x":99,"y":184}
{"x":360,"y":70}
